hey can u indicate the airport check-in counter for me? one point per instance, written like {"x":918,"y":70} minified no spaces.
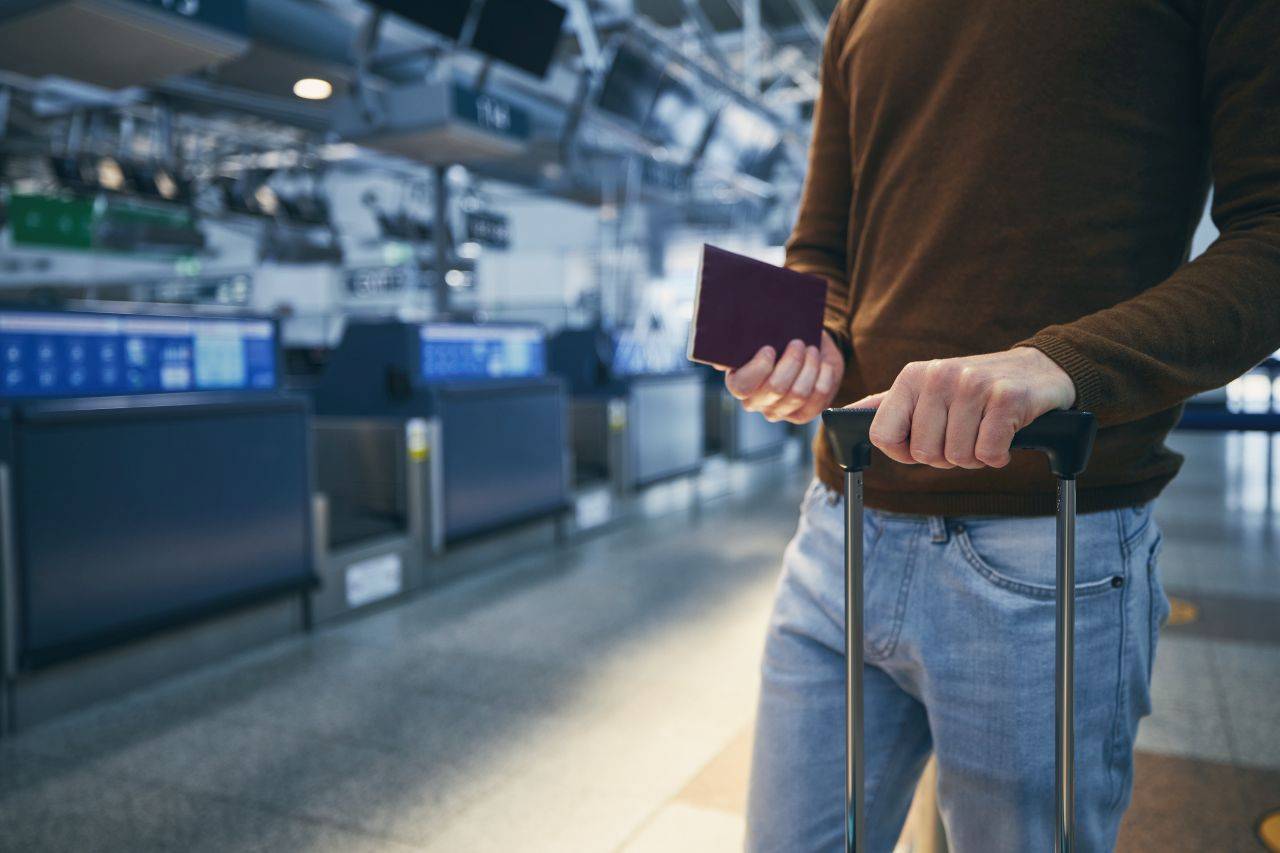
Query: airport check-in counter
{"x":632,"y":425}
{"x":154,"y":501}
{"x":461,"y":419}
{"x":732,"y":430}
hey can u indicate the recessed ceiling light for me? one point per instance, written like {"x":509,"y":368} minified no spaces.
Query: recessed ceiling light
{"x":267,"y":200}
{"x":313,"y":89}
{"x":110,"y":175}
{"x":166,"y":185}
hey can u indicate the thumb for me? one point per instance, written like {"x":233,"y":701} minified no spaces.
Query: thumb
{"x":870,"y":402}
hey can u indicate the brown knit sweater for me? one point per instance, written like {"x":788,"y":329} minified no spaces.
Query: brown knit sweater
{"x":989,"y":173}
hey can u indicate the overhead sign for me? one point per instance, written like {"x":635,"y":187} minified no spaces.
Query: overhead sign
{"x":489,"y":229}
{"x":52,"y":222}
{"x":118,"y":226}
{"x":377,"y":281}
{"x":230,"y":15}
{"x":492,"y":113}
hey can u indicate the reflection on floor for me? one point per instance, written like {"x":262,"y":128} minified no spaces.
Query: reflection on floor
{"x":598,"y":698}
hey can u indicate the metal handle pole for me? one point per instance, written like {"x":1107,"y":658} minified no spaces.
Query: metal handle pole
{"x":854,"y":833}
{"x":1064,"y":670}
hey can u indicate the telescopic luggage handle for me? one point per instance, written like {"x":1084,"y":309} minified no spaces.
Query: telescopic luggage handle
{"x":1066,"y":438}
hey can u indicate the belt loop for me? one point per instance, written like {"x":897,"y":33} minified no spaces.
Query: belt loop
{"x":937,"y":529}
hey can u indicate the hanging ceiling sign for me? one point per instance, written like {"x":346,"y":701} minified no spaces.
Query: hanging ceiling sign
{"x":230,"y":15}
{"x":377,"y":281}
{"x":492,"y":113}
{"x":489,"y":229}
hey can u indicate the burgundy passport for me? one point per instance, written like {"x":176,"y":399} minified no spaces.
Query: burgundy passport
{"x":743,"y":304}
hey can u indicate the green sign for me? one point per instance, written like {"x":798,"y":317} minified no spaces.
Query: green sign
{"x":116,"y":225}
{"x":56,"y":222}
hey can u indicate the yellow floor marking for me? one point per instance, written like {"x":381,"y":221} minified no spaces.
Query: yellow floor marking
{"x":1269,"y":831}
{"x":1182,"y":611}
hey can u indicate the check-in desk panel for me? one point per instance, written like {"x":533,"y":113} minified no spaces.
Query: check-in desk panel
{"x":152,"y":479}
{"x":497,"y":424}
{"x":632,"y":425}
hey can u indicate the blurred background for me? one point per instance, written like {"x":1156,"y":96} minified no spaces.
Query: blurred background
{"x":355,"y":493}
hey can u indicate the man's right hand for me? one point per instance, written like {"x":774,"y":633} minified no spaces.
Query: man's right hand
{"x":795,"y":387}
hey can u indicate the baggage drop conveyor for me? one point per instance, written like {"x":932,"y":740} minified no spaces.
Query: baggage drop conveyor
{"x":735,"y":432}
{"x":154,"y":501}
{"x":635,"y":423}
{"x":371,"y":511}
{"x":491,"y":441}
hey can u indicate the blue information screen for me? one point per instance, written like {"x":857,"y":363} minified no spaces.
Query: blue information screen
{"x":85,"y":355}
{"x":455,"y":351}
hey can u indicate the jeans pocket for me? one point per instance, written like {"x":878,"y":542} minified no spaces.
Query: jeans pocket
{"x":1023,"y":560}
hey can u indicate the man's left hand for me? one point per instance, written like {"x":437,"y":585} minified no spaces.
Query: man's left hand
{"x":963,"y":412}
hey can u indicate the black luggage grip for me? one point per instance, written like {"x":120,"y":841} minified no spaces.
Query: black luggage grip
{"x":1065,"y":437}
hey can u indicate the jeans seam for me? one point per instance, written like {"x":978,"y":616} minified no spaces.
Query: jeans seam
{"x":1130,"y":538}
{"x":873,"y":786}
{"x":890,"y":643}
{"x":1117,"y":734}
{"x":1155,"y":598}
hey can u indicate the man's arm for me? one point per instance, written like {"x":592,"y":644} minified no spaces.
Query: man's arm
{"x":798,"y":383}
{"x":1220,"y":314}
{"x":1209,"y":322}
{"x":819,"y":241}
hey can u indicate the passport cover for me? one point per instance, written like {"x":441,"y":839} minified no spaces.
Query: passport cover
{"x":743,"y":304}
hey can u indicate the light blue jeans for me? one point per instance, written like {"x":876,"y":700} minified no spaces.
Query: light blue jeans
{"x":960,"y":663}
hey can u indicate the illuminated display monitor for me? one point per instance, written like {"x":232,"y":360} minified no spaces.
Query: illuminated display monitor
{"x":456,"y":351}
{"x":48,"y":354}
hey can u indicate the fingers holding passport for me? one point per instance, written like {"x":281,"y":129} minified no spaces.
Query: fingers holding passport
{"x":795,"y":386}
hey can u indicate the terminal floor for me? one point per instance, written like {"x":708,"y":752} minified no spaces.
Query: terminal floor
{"x":598,"y":697}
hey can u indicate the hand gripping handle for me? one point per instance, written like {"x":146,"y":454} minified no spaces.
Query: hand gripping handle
{"x":1065,"y":437}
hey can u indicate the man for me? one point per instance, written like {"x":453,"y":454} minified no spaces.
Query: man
{"x":1001,"y":196}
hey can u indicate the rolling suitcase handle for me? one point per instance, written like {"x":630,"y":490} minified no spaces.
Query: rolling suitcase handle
{"x":1066,"y":438}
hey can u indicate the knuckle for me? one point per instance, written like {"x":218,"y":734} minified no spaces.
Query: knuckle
{"x":940,"y":375}
{"x":970,"y":379}
{"x":880,"y":436}
{"x":924,"y":454}
{"x":1006,"y":395}
{"x":911,"y":372}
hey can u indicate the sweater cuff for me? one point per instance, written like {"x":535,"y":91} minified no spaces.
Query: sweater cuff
{"x":1083,"y":372}
{"x":838,"y":328}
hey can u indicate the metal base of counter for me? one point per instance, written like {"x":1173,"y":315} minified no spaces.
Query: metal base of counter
{"x":38,"y":696}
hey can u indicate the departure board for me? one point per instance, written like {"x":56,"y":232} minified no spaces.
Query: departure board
{"x":48,"y":354}
{"x":456,"y":351}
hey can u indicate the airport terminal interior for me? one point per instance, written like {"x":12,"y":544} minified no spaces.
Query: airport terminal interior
{"x":356,"y":490}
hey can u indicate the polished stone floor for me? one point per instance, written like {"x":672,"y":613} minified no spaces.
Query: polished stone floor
{"x":597,"y":696}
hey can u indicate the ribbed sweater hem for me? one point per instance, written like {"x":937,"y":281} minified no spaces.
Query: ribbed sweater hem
{"x":1092,"y":499}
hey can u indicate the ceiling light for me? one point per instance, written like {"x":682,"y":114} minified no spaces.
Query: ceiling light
{"x":267,"y":200}
{"x":110,"y":175}
{"x":166,"y":186}
{"x":313,"y":89}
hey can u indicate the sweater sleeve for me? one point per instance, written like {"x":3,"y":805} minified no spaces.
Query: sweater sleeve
{"x":1218,"y":315}
{"x":820,"y":237}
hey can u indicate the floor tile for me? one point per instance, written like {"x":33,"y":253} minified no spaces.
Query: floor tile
{"x":683,"y":828}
